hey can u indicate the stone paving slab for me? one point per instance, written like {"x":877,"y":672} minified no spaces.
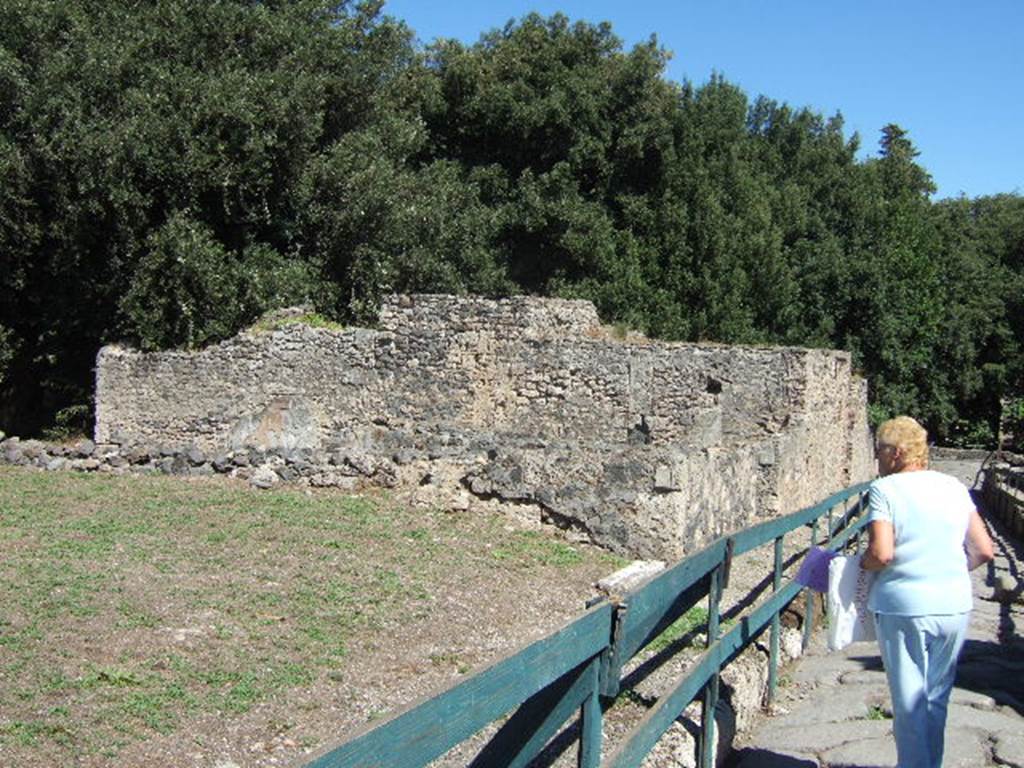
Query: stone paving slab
{"x":863,"y":677}
{"x":846,"y":702}
{"x":966,"y":751}
{"x":996,"y":722}
{"x":860,"y":753}
{"x":815,"y":738}
{"x":1009,"y":750}
{"x":821,"y":667}
{"x":972,"y":699}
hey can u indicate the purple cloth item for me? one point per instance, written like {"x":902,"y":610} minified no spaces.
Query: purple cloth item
{"x":813,"y":572}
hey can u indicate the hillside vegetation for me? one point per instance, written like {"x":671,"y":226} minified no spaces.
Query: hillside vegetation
{"x":170,"y":170}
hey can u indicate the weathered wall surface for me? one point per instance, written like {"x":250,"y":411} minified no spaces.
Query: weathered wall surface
{"x":649,"y":448}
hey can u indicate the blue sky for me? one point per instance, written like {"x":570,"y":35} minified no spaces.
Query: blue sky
{"x":951,"y":73}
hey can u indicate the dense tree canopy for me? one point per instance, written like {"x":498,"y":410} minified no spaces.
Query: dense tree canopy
{"x":171,"y":170}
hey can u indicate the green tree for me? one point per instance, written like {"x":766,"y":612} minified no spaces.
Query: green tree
{"x":126,"y":126}
{"x":575,"y":136}
{"x":170,"y":170}
{"x":981,"y":352}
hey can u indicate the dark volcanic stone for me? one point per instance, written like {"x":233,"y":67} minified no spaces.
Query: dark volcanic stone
{"x":222,"y":463}
{"x":85,"y":448}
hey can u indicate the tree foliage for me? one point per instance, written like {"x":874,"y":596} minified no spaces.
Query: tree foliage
{"x":171,"y":170}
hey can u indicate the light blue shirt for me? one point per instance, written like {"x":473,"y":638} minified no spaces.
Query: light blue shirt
{"x":929,"y":512}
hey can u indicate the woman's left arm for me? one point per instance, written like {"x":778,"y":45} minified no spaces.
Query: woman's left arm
{"x":881,"y":546}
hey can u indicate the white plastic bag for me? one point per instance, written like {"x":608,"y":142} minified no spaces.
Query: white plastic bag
{"x":849,"y":620}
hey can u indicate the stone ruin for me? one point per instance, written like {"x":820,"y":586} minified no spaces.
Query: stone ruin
{"x":648,"y":448}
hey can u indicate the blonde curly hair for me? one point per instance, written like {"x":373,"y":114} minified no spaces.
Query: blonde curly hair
{"x":908,"y":435}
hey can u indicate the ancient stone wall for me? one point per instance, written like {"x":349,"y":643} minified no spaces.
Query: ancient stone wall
{"x":649,"y":448}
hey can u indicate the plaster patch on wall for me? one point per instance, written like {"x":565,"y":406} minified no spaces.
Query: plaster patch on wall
{"x":285,"y":424}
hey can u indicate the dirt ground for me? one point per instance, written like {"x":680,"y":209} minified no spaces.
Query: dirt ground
{"x":150,"y":621}
{"x":154,"y":621}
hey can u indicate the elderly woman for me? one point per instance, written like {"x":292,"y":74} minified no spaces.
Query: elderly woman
{"x":924,"y":536}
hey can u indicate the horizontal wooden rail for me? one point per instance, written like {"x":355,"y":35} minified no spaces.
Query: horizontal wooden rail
{"x":762,"y":533}
{"x":545,"y":683}
{"x":430,"y":728}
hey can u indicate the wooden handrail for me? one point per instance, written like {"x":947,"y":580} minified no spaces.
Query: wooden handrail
{"x":544,"y":683}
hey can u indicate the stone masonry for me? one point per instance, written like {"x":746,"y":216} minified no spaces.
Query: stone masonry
{"x":649,"y":448}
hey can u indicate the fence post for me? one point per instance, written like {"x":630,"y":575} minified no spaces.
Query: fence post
{"x":859,"y":538}
{"x":710,"y":703}
{"x":589,"y":755}
{"x":773,"y":648}
{"x":809,"y":598}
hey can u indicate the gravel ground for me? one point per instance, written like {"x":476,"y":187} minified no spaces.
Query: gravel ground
{"x":161,"y":622}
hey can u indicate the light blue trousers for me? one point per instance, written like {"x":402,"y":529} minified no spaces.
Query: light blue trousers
{"x":919,"y":654}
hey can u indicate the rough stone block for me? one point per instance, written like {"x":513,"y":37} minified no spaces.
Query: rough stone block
{"x":84,"y":448}
{"x":628,"y":578}
{"x":264,"y":477}
{"x":32,"y":449}
{"x":663,"y":479}
{"x":1009,"y":749}
{"x":222,"y":463}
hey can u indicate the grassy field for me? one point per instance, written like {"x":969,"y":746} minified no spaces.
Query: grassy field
{"x":138,"y":608}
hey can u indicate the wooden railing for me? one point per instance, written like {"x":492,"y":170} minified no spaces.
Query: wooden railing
{"x":579,"y":667}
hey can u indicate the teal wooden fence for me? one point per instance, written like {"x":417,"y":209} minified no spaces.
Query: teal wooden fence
{"x":573,"y":671}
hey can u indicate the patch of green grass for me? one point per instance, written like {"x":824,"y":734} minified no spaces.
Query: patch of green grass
{"x":28,"y":733}
{"x":530,"y":548}
{"x":21,"y":639}
{"x":875,"y":712}
{"x":620,"y":331}
{"x":233,"y":596}
{"x":241,"y":696}
{"x":216,"y":537}
{"x":289,"y":675}
{"x":133,"y":616}
{"x":450,"y":659}
{"x":629,"y":696}
{"x":693,"y":620}
{"x":110,"y":675}
{"x":157,"y":707}
{"x":312,"y":319}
